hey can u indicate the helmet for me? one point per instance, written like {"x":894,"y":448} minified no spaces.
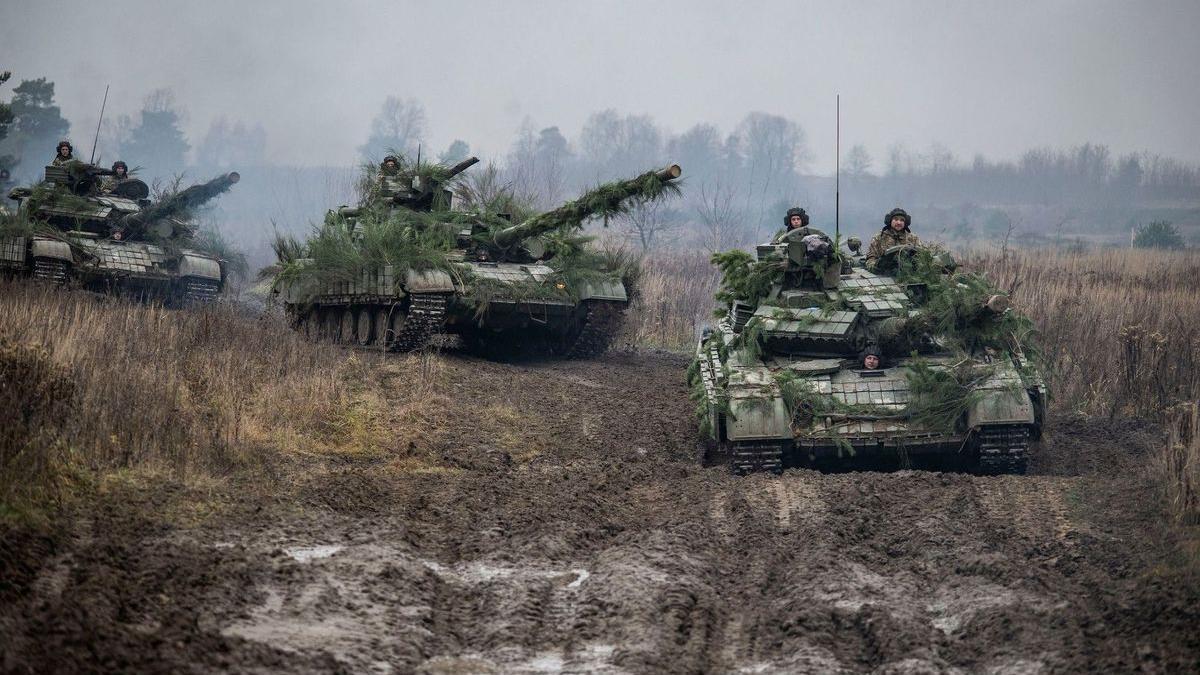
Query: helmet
{"x":121,"y":164}
{"x":390,"y":158}
{"x":887,"y":220}
{"x":795,"y":211}
{"x":871,"y":350}
{"x":62,"y":143}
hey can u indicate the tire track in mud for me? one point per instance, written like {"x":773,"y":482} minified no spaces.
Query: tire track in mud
{"x":613,"y":550}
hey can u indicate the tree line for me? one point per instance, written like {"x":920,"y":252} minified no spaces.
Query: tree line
{"x":738,"y":182}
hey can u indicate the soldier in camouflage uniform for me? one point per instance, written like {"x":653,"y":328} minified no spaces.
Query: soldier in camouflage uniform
{"x":62,"y":153}
{"x":120,"y":171}
{"x":895,"y":232}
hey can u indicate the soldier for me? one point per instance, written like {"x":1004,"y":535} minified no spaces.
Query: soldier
{"x":872,"y":358}
{"x":120,"y":171}
{"x":62,"y":154}
{"x":795,"y":219}
{"x":390,"y":166}
{"x":895,"y":232}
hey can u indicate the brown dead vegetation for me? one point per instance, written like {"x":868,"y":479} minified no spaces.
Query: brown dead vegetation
{"x":94,"y":385}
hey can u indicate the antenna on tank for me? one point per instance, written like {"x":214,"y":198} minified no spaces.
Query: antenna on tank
{"x":837,"y":170}
{"x":98,"y":123}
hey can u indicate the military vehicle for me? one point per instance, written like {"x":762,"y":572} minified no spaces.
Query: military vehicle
{"x":405,"y":267}
{"x":111,"y":237}
{"x":784,"y":379}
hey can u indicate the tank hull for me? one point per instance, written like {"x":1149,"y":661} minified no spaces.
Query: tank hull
{"x":176,"y":277}
{"x":494,"y":308}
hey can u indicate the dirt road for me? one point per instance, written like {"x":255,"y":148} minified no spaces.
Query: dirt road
{"x":589,"y":539}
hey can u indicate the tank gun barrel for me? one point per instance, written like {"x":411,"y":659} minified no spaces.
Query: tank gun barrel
{"x":181,"y":201}
{"x":607,"y":200}
{"x":462,"y":166}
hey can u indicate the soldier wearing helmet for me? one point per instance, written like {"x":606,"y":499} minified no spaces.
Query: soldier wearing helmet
{"x":120,"y":171}
{"x":872,"y":357}
{"x":896,"y":232}
{"x":390,"y":166}
{"x":795,"y":219}
{"x":62,"y":153}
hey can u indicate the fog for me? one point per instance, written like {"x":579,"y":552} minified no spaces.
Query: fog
{"x":995,"y":79}
{"x":977,"y":77}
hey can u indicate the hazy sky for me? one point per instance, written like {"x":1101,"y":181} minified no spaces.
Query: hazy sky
{"x":989,"y":77}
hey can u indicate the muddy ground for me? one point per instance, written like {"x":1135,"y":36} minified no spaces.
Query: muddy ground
{"x":590,"y":539}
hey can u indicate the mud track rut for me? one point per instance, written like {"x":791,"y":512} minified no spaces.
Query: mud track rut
{"x":606,"y":547}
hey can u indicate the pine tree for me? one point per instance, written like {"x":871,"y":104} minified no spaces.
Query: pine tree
{"x":157,"y":143}
{"x":36,"y":124}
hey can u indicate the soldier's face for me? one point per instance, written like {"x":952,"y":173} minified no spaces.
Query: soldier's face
{"x":63,"y":151}
{"x":390,"y":164}
{"x":897,"y":223}
{"x":871,"y":362}
{"x":794,"y":221}
{"x":120,"y":172}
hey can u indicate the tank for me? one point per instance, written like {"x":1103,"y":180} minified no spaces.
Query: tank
{"x":76,"y":228}
{"x":404,"y":267}
{"x":783,"y":379}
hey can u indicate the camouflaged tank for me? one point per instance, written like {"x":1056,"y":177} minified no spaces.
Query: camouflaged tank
{"x":111,"y":238}
{"x":497,"y":285}
{"x":783,"y":380}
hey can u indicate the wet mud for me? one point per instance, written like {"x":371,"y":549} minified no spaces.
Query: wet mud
{"x":589,"y":538}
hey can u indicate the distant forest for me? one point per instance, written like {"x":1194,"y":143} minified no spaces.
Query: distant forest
{"x":737,"y":182}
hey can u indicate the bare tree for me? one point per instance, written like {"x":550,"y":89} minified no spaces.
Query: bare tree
{"x":399,"y":126}
{"x":717,"y":215}
{"x":649,"y":224}
{"x":858,"y":161}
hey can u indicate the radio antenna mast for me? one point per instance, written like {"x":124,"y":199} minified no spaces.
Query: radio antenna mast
{"x":837,"y":171}
{"x":98,"y":123}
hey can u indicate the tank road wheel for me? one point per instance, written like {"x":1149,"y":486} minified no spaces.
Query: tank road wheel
{"x":601,"y":322}
{"x":51,"y":270}
{"x":363,"y":335}
{"x":310,"y":324}
{"x":346,"y":326}
{"x":331,"y":323}
{"x":1003,"y":449}
{"x":381,"y":333}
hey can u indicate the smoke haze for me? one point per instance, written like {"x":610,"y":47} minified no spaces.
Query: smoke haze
{"x":991,"y":78}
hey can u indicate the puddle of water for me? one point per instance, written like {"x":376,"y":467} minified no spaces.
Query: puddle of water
{"x":307,"y":553}
{"x":583,"y":575}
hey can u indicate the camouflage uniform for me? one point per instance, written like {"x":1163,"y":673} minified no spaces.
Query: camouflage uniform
{"x":109,"y":183}
{"x":889,"y":237}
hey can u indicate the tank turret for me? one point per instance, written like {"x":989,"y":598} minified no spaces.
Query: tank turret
{"x":419,"y":191}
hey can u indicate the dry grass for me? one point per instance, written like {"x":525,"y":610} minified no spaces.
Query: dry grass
{"x":1177,"y":467}
{"x":675,"y":300}
{"x":1120,"y":328}
{"x":94,"y":386}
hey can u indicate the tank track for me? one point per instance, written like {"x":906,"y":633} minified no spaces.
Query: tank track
{"x":602,"y":322}
{"x":51,"y":270}
{"x":749,"y":457}
{"x":1003,"y":449}
{"x":426,"y":316}
{"x":200,"y":291}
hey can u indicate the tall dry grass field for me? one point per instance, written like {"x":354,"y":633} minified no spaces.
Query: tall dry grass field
{"x":98,"y":384}
{"x":1120,"y":329}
